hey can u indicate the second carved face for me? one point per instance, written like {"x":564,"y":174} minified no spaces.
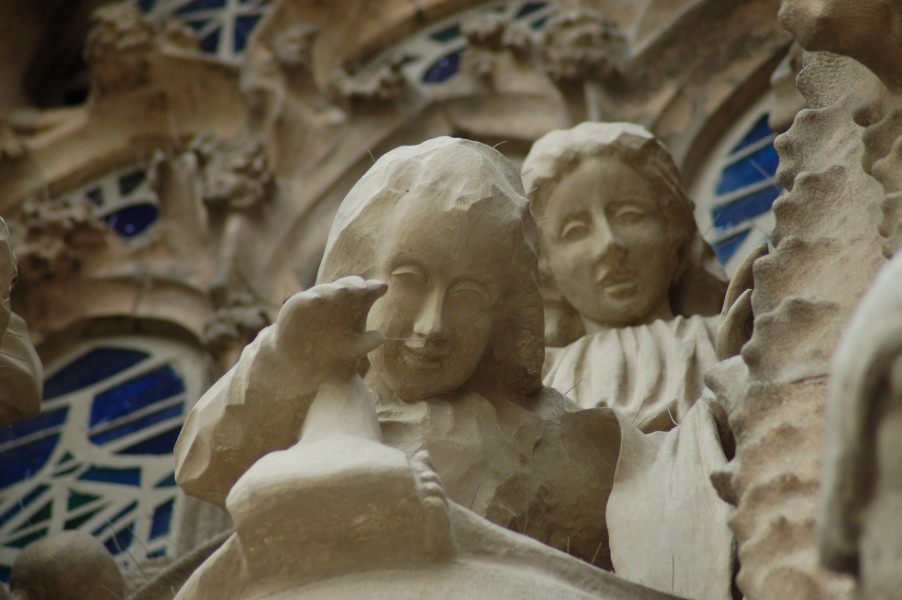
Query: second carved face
{"x":607,"y":242}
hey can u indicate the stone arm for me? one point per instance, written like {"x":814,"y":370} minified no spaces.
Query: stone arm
{"x":255,"y":408}
{"x":21,"y":374}
{"x":299,"y":372}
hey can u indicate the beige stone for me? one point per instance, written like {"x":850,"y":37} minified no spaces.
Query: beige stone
{"x":21,"y":374}
{"x":620,"y":256}
{"x":454,"y":357}
{"x":68,"y":566}
{"x":632,"y":292}
{"x":859,"y":524}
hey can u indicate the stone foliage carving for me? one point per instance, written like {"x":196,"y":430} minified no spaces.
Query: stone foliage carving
{"x":118,"y":46}
{"x":858,"y":532}
{"x":824,"y":256}
{"x":582,"y":44}
{"x":234,"y":173}
{"x":56,"y":237}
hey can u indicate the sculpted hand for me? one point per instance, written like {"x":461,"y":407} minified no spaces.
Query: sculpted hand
{"x":322,"y":329}
{"x":737,"y":318}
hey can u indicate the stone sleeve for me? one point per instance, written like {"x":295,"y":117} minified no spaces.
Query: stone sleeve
{"x":22,"y":374}
{"x":257,"y":407}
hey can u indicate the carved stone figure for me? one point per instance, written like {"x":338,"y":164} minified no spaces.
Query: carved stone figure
{"x":447,"y":226}
{"x":21,"y":374}
{"x":632,"y":291}
{"x":859,"y":525}
{"x":68,"y":566}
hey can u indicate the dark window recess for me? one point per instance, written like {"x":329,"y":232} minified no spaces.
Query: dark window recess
{"x":745,"y":208}
{"x":443,"y":69}
{"x":757,"y":166}
{"x":726,"y":248}
{"x":96,"y":365}
{"x":132,"y":220}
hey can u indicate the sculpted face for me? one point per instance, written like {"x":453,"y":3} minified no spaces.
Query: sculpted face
{"x":443,"y":286}
{"x":607,"y":243}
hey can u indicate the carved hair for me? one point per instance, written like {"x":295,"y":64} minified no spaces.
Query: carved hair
{"x":452,"y":176}
{"x":698,"y":285}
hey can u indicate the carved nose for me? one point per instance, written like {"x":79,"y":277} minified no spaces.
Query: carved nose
{"x":430,"y":323}
{"x":606,"y":242}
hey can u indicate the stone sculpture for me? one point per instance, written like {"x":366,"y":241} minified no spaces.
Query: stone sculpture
{"x":620,"y":255}
{"x":860,"y":503}
{"x":20,"y":367}
{"x":454,"y":362}
{"x":632,"y":290}
{"x":68,"y":566}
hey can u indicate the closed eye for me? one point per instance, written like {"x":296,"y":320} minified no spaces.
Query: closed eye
{"x":574,"y":229}
{"x":409,"y":274}
{"x":627,"y":212}
{"x":470,"y":291}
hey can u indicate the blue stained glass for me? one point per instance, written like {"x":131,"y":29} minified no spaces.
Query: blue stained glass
{"x":243,"y":28}
{"x":77,"y":499}
{"x":42,"y":514}
{"x":76,"y":522}
{"x":444,"y":68}
{"x":10,"y":434}
{"x":122,"y":540}
{"x":160,"y":444}
{"x":168,"y":482}
{"x":146,"y":5}
{"x":160,"y":553}
{"x":27,"y":446}
{"x":753,"y":168}
{"x":107,"y":435}
{"x":27,"y":539}
{"x":529,"y":8}
{"x":726,"y":248}
{"x":200,"y":5}
{"x":447,"y":34}
{"x":23,"y":503}
{"x":128,"y":183}
{"x":66,"y":458}
{"x":132,"y":506}
{"x":134,"y":394}
{"x":759,"y":131}
{"x":210,"y":43}
{"x":745,"y":208}
{"x":132,"y":220}
{"x":96,"y":365}
{"x":127,"y":476}
{"x":5,"y":572}
{"x":66,"y":470}
{"x":162,"y":517}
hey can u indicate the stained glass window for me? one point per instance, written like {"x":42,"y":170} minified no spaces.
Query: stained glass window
{"x":123,"y":199}
{"x":433,"y":56}
{"x":735,"y":194}
{"x":224,"y":26}
{"x":99,"y":456}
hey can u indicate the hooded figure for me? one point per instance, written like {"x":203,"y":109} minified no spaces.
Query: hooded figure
{"x":455,"y":367}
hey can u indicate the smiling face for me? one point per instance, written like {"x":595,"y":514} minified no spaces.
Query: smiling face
{"x":443,"y":286}
{"x":608,"y":245}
